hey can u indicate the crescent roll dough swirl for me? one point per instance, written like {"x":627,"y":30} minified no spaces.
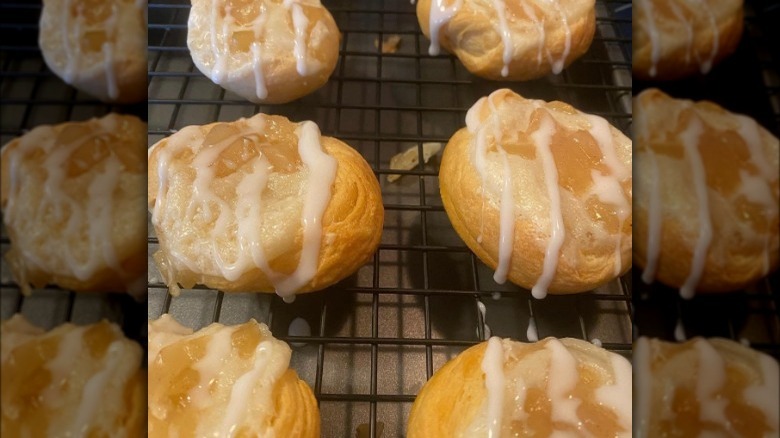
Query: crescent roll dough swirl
{"x":261,"y":204}
{"x":541,"y":192}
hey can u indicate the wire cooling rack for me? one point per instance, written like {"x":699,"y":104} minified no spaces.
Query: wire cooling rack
{"x":746,"y":82}
{"x":378,"y":336}
{"x":31,"y":95}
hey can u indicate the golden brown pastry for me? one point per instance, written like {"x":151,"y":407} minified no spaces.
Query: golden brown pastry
{"x":70,"y":195}
{"x":501,"y":387}
{"x":678,"y":38}
{"x":705,"y":387}
{"x":98,"y":46}
{"x":707,"y":195}
{"x":70,"y":381}
{"x":509,"y":40}
{"x":225,"y":381}
{"x":541,"y":192}
{"x":266,"y":51}
{"x":261,"y":204}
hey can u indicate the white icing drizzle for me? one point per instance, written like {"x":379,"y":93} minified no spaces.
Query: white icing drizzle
{"x":557,"y":64}
{"x":92,"y":394}
{"x":653,"y":34}
{"x":644,"y":388}
{"x":96,"y":217}
{"x":678,"y":13}
{"x":690,"y":141}
{"x":108,"y":54}
{"x":542,"y":138}
{"x":507,"y":218}
{"x":506,"y":35}
{"x":483,"y":311}
{"x":617,"y":396}
{"x":439,"y":16}
{"x":220,"y":53}
{"x":608,"y":190}
{"x":710,"y":378}
{"x":529,"y":12}
{"x":209,"y":366}
{"x":756,"y":188}
{"x":751,"y":135}
{"x":562,"y":381}
{"x":679,"y":331}
{"x":474,"y":126}
{"x":244,"y":388}
{"x":706,"y":65}
{"x":766,"y":395}
{"x":531,"y":333}
{"x":61,"y":367}
{"x":300,"y":23}
{"x":654,"y":220}
{"x":71,"y":57}
{"x":493,"y":367}
{"x":322,"y":173}
{"x":257,"y":57}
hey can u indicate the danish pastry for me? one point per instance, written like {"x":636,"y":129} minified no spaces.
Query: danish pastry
{"x":512,"y":40}
{"x":261,"y":204}
{"x":225,"y":381}
{"x":554,"y":387}
{"x":98,"y":47}
{"x":70,"y":381}
{"x":266,"y":51}
{"x":707,"y":195}
{"x":70,"y":195}
{"x":541,"y":192}
{"x":679,"y":38}
{"x":712,"y":387}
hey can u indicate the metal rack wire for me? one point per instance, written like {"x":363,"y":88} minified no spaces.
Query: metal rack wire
{"x":31,"y":95}
{"x":379,"y":335}
{"x":751,"y":316}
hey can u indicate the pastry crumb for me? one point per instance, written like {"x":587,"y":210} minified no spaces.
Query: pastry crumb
{"x":410,"y":158}
{"x":389,"y":44}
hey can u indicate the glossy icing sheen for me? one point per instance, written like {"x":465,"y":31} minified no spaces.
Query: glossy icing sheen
{"x":246,"y":214}
{"x":606,"y":187}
